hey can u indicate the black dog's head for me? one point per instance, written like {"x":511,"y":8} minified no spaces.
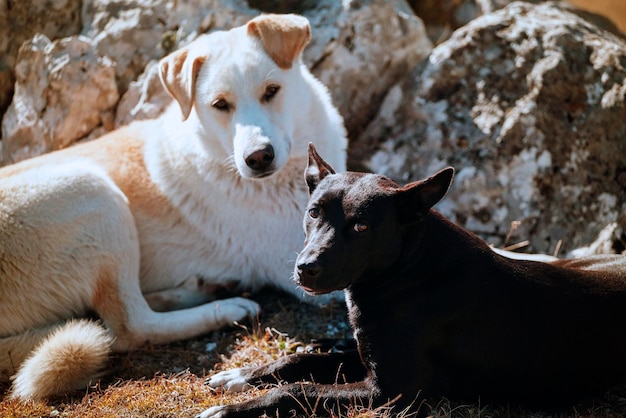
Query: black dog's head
{"x":355,"y":223}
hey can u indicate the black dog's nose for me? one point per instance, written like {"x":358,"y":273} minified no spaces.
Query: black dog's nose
{"x":309,"y":271}
{"x":260,"y":159}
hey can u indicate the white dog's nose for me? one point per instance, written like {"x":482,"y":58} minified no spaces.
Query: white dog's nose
{"x":260,"y":159}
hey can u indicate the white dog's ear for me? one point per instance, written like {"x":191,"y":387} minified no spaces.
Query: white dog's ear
{"x":316,"y":170}
{"x":178,"y":72}
{"x":283,"y":36}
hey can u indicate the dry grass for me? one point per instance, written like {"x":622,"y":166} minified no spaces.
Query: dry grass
{"x":168,"y":381}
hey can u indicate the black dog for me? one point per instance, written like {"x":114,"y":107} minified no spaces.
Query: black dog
{"x":435,"y":312}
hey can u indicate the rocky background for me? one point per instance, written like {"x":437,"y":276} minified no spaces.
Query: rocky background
{"x":525,"y":99}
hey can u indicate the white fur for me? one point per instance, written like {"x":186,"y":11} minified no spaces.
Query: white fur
{"x":45,"y":371}
{"x":545,"y":258}
{"x":232,"y":380}
{"x":213,"y":412}
{"x":151,"y":208}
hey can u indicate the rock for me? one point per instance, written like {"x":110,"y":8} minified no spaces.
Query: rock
{"x":145,"y":99}
{"x":611,"y":239}
{"x":63,"y":91}
{"x":528,"y":103}
{"x":133,"y":33}
{"x":442,"y":17}
{"x":129,"y":32}
{"x":367,"y":48}
{"x":20,"y":21}
{"x":194,"y":17}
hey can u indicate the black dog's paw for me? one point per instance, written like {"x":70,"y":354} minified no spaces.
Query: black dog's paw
{"x":233,"y":380}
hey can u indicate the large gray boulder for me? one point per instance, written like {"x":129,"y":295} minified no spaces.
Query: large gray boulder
{"x":528,"y":103}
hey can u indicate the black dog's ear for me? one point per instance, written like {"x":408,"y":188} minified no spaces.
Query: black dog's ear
{"x":418,"y":197}
{"x":316,"y":170}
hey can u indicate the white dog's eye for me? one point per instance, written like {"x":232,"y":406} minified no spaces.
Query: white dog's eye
{"x":360,"y":227}
{"x":221,"y":105}
{"x":270,"y":92}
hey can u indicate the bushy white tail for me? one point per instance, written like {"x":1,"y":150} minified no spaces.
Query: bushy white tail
{"x":69,"y":358}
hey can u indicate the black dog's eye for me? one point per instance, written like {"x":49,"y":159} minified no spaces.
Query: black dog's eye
{"x":314,"y":213}
{"x":360,"y":227}
{"x":221,"y":105}
{"x":270,"y":92}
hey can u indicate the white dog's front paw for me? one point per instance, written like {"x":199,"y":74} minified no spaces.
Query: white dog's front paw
{"x":213,"y":412}
{"x":231,"y":380}
{"x":230,"y":310}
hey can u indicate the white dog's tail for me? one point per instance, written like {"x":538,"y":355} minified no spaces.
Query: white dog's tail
{"x":67,"y":359}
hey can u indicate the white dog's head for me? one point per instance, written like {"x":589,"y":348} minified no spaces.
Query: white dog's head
{"x":245,"y":85}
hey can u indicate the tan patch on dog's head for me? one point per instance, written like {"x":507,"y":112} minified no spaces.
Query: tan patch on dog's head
{"x":178,"y":72}
{"x":283,"y":36}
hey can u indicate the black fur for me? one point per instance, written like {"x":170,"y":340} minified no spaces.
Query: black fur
{"x":435,"y":312}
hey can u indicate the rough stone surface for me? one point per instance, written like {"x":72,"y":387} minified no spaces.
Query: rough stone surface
{"x":369,"y":47}
{"x":19,"y":21}
{"x":132,"y":33}
{"x":145,"y":98}
{"x":64,"y":90}
{"x":129,"y":32}
{"x":528,"y":103}
{"x":442,"y":17}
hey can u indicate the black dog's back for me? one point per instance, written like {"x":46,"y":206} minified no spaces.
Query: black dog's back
{"x":475,"y":324}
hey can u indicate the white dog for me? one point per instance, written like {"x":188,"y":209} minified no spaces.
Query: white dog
{"x":153,"y":216}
